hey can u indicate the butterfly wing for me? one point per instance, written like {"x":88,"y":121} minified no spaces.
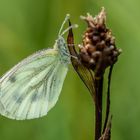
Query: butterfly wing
{"x":31,"y":88}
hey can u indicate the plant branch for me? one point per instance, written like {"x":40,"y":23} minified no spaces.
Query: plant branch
{"x":108,"y":99}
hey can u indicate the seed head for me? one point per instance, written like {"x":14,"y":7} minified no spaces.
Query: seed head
{"x":98,"y":49}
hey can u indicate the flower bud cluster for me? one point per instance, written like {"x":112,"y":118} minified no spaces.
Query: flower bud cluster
{"x":98,"y":50}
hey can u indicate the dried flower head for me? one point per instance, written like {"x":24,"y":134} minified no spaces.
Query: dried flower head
{"x":98,"y":50}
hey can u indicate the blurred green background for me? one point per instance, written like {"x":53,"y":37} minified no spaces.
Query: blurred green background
{"x":30,"y":25}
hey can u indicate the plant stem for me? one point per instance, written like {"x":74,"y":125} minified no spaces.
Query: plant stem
{"x":98,"y":107}
{"x":108,"y":99}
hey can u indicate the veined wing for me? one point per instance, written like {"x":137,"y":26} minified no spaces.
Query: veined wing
{"x":2,"y":109}
{"x":31,"y":88}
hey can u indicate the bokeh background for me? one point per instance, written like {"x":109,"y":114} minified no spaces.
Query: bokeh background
{"x":30,"y":25}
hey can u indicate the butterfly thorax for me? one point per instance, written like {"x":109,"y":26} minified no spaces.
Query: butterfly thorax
{"x":64,"y":54}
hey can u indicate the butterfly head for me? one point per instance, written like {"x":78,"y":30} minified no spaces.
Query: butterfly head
{"x":60,"y":42}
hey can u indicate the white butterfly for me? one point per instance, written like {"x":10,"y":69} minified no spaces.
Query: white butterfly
{"x":32,"y":87}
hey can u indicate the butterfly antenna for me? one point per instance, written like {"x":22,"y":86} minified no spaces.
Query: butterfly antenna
{"x":65,"y":20}
{"x":70,"y":27}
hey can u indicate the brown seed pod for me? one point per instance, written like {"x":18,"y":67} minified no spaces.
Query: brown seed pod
{"x":98,"y":50}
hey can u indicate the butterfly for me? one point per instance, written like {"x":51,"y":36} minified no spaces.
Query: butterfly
{"x":32,"y":87}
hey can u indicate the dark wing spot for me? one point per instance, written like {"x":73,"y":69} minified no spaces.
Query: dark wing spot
{"x":12,"y":79}
{"x":34,"y":97}
{"x":18,"y":99}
